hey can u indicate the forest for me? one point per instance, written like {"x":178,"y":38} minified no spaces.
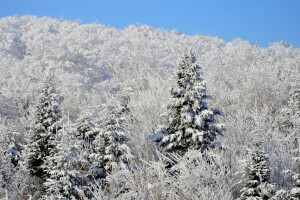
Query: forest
{"x":89,"y":111}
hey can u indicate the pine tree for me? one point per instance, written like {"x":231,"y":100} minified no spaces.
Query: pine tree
{"x":46,"y":123}
{"x":257,"y":175}
{"x":111,"y":146}
{"x":191,"y":124}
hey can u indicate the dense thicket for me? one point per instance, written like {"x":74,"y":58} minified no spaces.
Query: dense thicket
{"x":256,"y":88}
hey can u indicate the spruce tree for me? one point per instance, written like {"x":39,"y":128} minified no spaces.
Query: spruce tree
{"x":43,"y":129}
{"x":257,"y":175}
{"x":65,"y":167}
{"x":111,"y":146}
{"x":86,"y":130}
{"x":86,"y":133}
{"x":191,"y":124}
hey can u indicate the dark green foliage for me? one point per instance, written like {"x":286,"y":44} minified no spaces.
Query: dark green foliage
{"x":46,"y":123}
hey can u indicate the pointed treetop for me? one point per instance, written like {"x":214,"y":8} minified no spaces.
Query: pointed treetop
{"x":191,"y":124}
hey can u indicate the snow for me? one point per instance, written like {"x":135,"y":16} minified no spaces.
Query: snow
{"x":133,"y":69}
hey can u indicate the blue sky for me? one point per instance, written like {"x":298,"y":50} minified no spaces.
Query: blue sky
{"x":259,"y":21}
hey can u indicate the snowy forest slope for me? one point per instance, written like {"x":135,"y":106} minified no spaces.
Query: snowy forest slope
{"x":95,"y":64}
{"x":101,"y":59}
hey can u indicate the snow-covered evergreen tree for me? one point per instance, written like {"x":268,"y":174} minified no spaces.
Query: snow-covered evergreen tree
{"x":66,"y":171}
{"x":111,"y":146}
{"x":125,"y":99}
{"x":46,"y":123}
{"x":86,"y":130}
{"x":10,"y":156}
{"x":291,"y":114}
{"x":126,"y":109}
{"x":257,"y":175}
{"x":294,"y":102}
{"x":191,"y":124}
{"x":14,"y":181}
{"x":295,"y":192}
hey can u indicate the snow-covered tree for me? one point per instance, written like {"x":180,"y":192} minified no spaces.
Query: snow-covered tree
{"x":291,"y":114}
{"x":10,"y":156}
{"x":66,"y":170}
{"x":125,"y":100}
{"x":191,"y":125}
{"x":151,"y":180}
{"x":295,"y":192}
{"x":93,"y":61}
{"x":111,"y":146}
{"x":257,"y":175}
{"x":14,"y":178}
{"x":87,"y":130}
{"x":47,"y":121}
{"x":294,"y":101}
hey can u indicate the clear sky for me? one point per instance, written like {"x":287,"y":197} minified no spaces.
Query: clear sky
{"x":259,"y":21}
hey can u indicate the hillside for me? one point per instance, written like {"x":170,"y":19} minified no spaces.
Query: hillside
{"x":95,"y":65}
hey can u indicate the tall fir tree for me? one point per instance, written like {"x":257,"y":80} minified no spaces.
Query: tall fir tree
{"x":86,"y":133}
{"x":47,"y":121}
{"x":257,"y":175}
{"x":191,"y":124}
{"x":66,"y":169}
{"x":111,"y":146}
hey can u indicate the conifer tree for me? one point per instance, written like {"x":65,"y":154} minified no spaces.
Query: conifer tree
{"x":10,"y":156}
{"x":257,"y":174}
{"x":111,"y":146}
{"x":65,"y":167}
{"x":86,"y":130}
{"x":43,"y":129}
{"x":295,"y":192}
{"x":291,"y":114}
{"x":294,"y":102}
{"x":125,"y":99}
{"x":191,"y":124}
